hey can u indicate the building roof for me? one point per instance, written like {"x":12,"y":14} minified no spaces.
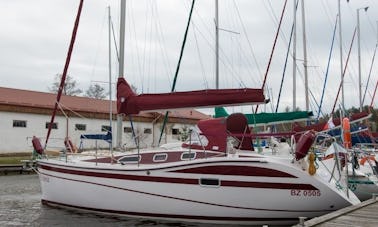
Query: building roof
{"x":35,"y":99}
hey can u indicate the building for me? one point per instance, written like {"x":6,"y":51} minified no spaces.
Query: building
{"x":26,"y":113}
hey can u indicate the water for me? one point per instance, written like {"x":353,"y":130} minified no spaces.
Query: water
{"x":20,"y":205}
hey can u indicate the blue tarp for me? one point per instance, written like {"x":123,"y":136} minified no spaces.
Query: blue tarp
{"x":107,"y":137}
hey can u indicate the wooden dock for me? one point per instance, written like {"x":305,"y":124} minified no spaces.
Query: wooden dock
{"x":364,"y":214}
{"x":26,"y":166}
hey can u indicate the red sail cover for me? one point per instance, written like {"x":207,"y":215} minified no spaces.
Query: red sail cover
{"x":130,"y":103}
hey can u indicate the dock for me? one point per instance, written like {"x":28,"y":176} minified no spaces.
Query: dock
{"x":26,"y":166}
{"x":364,"y":214}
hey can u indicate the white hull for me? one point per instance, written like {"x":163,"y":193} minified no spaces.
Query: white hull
{"x":166,"y":191}
{"x":363,"y":182}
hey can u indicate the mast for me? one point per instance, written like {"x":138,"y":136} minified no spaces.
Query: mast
{"x":295,"y":57}
{"x":121,"y":66}
{"x":216,"y":46}
{"x":359,"y":60}
{"x":341,"y":58}
{"x":110,"y":81}
{"x":359,"y":55}
{"x":305,"y":56}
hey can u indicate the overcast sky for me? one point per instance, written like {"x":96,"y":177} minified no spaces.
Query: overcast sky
{"x":34,"y":38}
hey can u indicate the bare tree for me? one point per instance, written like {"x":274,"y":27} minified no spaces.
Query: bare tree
{"x":70,"y":86}
{"x":96,"y":91}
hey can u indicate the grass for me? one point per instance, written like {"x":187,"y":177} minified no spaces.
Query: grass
{"x":14,"y":159}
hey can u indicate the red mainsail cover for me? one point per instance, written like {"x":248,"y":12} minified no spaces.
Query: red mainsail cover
{"x":130,"y":103}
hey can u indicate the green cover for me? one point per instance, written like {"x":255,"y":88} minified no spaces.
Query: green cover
{"x":268,"y":118}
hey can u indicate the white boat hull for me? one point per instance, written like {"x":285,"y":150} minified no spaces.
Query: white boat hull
{"x":173,"y":193}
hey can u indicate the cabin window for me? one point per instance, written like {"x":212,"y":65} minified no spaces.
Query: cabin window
{"x":212,"y":182}
{"x":147,"y":131}
{"x":129,"y":159}
{"x":19,"y":124}
{"x":127,"y":130}
{"x":175,"y":131}
{"x":106,"y":128}
{"x":54,"y":125}
{"x":80,"y":127}
{"x":188,"y":155}
{"x":160,"y":157}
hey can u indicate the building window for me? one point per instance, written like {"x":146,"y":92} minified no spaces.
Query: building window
{"x":80,"y":127}
{"x":53,"y":126}
{"x":106,"y":128}
{"x":175,"y":131}
{"x":127,"y":130}
{"x":147,"y":131}
{"x":19,"y":124}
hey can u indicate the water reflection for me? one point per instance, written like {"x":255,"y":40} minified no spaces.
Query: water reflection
{"x":20,"y":205}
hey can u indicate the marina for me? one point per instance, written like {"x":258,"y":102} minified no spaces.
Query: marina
{"x":151,"y":157}
{"x":363,"y":214}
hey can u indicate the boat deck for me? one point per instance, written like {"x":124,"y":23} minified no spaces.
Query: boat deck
{"x":363,"y":214}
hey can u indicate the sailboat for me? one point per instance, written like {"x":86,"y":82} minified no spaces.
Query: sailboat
{"x":214,"y":177}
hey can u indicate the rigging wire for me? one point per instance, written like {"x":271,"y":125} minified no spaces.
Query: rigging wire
{"x":248,"y":41}
{"x":372,"y":99}
{"x":178,"y":67}
{"x":162,"y":42}
{"x":326,"y":74}
{"x":271,"y":54}
{"x":371,"y":67}
{"x":99,"y":41}
{"x":68,"y":59}
{"x":345,"y":67}
{"x":284,"y":69}
{"x":132,"y":26}
{"x":200,"y":56}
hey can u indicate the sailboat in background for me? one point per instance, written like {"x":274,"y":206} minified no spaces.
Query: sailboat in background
{"x":214,"y":177}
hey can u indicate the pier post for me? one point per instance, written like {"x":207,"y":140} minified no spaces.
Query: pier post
{"x":302,"y":221}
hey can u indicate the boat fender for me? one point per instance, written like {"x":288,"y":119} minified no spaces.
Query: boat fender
{"x":346,"y":133}
{"x":311,"y":161}
{"x":304,"y":144}
{"x":69,"y":145}
{"x":37,"y":145}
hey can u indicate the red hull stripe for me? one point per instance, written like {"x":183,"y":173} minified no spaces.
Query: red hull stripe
{"x":236,"y":171}
{"x":178,"y":180}
{"x":189,"y":217}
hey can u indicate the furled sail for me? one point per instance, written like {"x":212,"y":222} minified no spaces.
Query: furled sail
{"x":130,"y":103}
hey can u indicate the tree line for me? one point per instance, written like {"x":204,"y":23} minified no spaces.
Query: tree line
{"x":71,"y":88}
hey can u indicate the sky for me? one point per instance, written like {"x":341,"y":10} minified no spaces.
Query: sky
{"x":34,"y":39}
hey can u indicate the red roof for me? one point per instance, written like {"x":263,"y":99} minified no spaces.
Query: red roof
{"x":26,"y":98}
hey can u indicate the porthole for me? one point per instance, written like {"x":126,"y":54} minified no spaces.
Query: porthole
{"x":210,"y":182}
{"x":162,"y":157}
{"x":188,"y":155}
